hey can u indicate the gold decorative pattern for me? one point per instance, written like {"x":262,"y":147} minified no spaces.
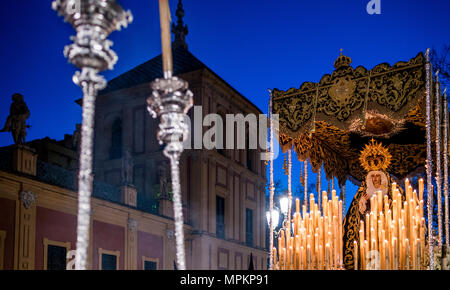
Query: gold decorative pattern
{"x":375,"y":157}
{"x":389,"y":99}
{"x":392,"y":90}
{"x":342,"y":91}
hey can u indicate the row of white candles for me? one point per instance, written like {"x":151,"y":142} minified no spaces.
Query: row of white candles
{"x":393,"y":236}
{"x":313,"y":240}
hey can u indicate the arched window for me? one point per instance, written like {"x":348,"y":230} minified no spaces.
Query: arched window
{"x":115,"y":150}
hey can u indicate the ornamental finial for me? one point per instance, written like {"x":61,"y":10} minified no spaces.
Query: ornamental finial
{"x":180,"y":29}
{"x":342,"y":61}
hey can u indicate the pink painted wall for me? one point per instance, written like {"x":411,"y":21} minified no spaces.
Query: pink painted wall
{"x":108,"y":237}
{"x":7,"y":220}
{"x":150,"y":246}
{"x":56,"y":226}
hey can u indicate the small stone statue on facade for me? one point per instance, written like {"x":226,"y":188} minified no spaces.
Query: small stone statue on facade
{"x":127,"y":168}
{"x":16,"y":121}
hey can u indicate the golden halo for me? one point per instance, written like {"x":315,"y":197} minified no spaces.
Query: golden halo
{"x":375,"y":157}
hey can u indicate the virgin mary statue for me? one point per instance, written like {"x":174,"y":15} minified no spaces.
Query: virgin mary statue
{"x":375,"y":159}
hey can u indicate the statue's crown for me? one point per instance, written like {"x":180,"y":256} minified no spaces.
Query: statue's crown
{"x":375,"y":157}
{"x":342,"y":61}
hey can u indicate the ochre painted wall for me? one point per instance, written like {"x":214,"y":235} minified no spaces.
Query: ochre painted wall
{"x":55,"y":226}
{"x":108,"y":237}
{"x":7,"y":221}
{"x":154,"y":251}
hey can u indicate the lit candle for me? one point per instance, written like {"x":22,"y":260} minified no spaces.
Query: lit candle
{"x":407,"y":259}
{"x":421,"y":187}
{"x":386,"y":253}
{"x":386,"y":203}
{"x":308,"y":257}
{"x":418,"y":259}
{"x":382,"y":248}
{"x":395,"y":253}
{"x":366,"y":254}
{"x":394,"y":188}
{"x":303,"y":255}
{"x":327,"y":256}
{"x":367,"y":227}
{"x":394,"y":206}
{"x":388,"y":224}
{"x":320,"y":257}
{"x":361,"y":244}
{"x":164,"y":15}
{"x":316,"y":247}
{"x":355,"y":254}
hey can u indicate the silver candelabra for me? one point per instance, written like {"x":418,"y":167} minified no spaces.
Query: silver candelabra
{"x":93,"y":21}
{"x":171,"y":100}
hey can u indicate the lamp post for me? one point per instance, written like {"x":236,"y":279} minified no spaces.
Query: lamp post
{"x":275,"y":217}
{"x":284,"y":206}
{"x":93,"y":21}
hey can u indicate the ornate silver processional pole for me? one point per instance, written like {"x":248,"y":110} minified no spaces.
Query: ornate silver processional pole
{"x":429,"y":164}
{"x":171,"y":100}
{"x":289,"y":185}
{"x":271,"y":184}
{"x":447,"y":236}
{"x":438,"y":158}
{"x":93,"y":21}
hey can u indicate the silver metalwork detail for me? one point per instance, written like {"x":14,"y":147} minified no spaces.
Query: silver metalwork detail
{"x":91,"y":51}
{"x":447,"y":235}
{"x":171,"y":100}
{"x":438,"y":158}
{"x":429,"y":164}
{"x":271,"y":184}
{"x":289,"y":184}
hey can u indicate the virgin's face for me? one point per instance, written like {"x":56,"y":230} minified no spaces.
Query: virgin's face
{"x":376,"y":180}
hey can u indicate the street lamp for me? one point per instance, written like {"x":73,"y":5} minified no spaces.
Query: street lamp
{"x":275,"y":218}
{"x":284,"y":206}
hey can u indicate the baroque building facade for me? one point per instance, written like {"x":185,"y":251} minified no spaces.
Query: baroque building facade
{"x":132,"y":225}
{"x":223,"y":190}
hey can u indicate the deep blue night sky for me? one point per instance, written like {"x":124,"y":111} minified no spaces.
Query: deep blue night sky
{"x":252,"y":44}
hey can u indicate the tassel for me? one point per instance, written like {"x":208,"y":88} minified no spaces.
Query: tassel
{"x":285,"y":165}
{"x":302,"y":180}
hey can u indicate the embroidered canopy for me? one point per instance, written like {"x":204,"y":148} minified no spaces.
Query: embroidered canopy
{"x":329,"y":122}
